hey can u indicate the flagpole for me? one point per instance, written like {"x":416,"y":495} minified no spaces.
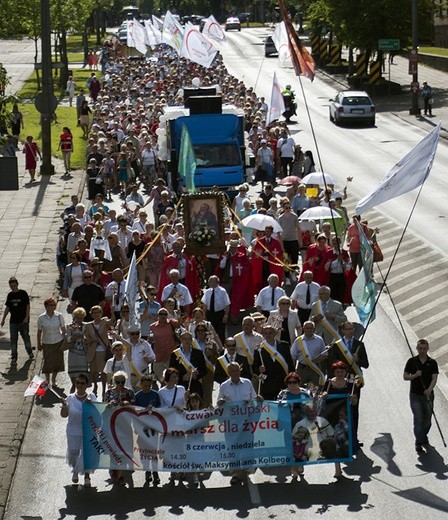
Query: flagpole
{"x":393,"y":259}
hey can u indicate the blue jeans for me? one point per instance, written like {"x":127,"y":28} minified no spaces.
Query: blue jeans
{"x":421,"y":407}
{"x":24,"y":330}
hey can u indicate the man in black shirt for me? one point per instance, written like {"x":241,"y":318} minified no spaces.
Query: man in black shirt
{"x":421,"y":371}
{"x":87,"y":295}
{"x":18,"y":306}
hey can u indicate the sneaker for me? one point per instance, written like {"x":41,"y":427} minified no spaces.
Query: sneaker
{"x":87,"y":482}
{"x":419,"y":448}
{"x":75,"y":479}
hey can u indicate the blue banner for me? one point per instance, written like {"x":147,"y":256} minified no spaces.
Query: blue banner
{"x":235,"y":436}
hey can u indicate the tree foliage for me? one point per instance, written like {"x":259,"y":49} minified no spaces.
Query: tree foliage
{"x":360,"y":23}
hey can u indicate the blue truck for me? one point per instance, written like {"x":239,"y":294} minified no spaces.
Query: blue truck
{"x":219,"y":146}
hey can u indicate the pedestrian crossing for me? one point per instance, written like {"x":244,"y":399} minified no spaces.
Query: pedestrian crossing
{"x":417,"y":283}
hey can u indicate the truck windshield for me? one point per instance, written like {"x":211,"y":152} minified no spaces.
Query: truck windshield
{"x":217,"y":155}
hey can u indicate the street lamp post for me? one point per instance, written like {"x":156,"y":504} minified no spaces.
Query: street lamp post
{"x":413,"y":62}
{"x":47,"y":89}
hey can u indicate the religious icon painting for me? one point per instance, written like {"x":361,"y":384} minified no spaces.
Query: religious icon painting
{"x":204,"y":223}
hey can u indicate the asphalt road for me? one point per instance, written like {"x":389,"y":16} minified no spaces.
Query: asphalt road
{"x":386,"y":480}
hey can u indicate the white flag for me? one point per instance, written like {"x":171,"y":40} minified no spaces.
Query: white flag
{"x":196,"y":47}
{"x":131,"y":289}
{"x":280,"y":39}
{"x":153,"y":34}
{"x":213,"y":30}
{"x":37,"y":386}
{"x":406,"y":175}
{"x":157,"y":22}
{"x":172,"y":32}
{"x":137,"y":36}
{"x":277,"y":106}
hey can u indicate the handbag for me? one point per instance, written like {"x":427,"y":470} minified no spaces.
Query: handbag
{"x":377,"y":253}
{"x":108,"y":354}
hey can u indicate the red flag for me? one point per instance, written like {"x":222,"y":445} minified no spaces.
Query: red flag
{"x":302,"y":60}
{"x":37,"y":386}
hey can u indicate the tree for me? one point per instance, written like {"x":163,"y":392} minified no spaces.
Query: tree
{"x":361,"y":23}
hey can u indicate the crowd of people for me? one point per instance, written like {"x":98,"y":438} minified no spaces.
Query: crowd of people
{"x":223,"y":322}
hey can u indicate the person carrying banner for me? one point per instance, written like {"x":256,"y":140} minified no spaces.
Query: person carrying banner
{"x":353,"y":353}
{"x":422,"y":371}
{"x":72,"y":408}
{"x":119,"y":394}
{"x":236,"y":388}
{"x":340,"y":384}
{"x":148,"y":398}
{"x":294,"y":393}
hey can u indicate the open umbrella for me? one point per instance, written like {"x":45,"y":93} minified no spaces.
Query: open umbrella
{"x":318,"y":178}
{"x":260,"y":221}
{"x":289,"y":180}
{"x":319,"y":212}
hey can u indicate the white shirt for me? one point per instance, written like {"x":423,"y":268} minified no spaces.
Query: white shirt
{"x":124,"y":237}
{"x":221,"y":298}
{"x":167,"y":395}
{"x":252,"y":341}
{"x":185,"y":298}
{"x":264,"y":298}
{"x":299,"y":294}
{"x":51,"y":327}
{"x":115,"y":290}
{"x":241,"y":391}
{"x":139,"y":351}
{"x":286,"y":146}
{"x":139,"y":226}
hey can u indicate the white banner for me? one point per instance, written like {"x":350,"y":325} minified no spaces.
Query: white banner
{"x":280,"y":39}
{"x":172,"y":32}
{"x":406,"y":175}
{"x":131,"y":289}
{"x":136,"y":36}
{"x":196,"y":47}
{"x":277,"y":106}
{"x":153,"y":34}
{"x":213,"y":30}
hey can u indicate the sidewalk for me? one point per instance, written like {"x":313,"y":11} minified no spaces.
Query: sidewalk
{"x":29,"y":227}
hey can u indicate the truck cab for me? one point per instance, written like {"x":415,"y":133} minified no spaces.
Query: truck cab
{"x":217,"y":139}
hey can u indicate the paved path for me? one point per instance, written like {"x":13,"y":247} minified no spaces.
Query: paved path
{"x":29,"y":222}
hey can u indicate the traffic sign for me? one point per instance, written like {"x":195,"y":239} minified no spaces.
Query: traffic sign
{"x":415,"y":87}
{"x":43,"y":104}
{"x":389,"y":45}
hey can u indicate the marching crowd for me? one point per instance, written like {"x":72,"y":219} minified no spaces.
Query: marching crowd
{"x":215,"y":321}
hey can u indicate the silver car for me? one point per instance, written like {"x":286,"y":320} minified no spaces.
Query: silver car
{"x":352,"y":106}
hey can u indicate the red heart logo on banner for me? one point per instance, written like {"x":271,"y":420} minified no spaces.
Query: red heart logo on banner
{"x":113,"y":420}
